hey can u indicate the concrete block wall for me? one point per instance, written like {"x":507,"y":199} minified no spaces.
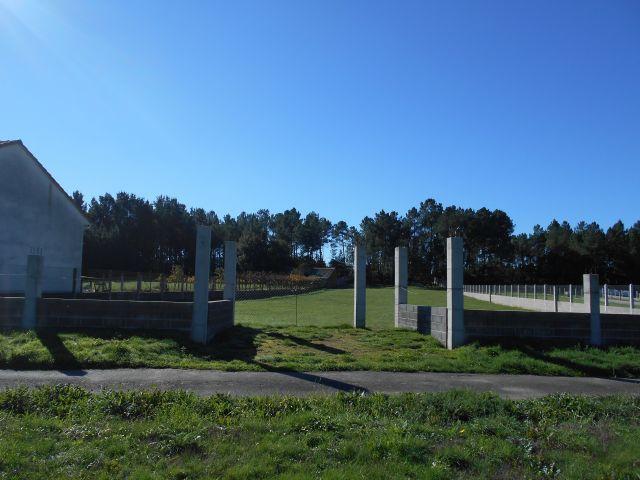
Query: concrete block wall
{"x":428,"y":320}
{"x":620,"y":329}
{"x":487,"y":324}
{"x":61,"y":313}
{"x":220,"y":317}
{"x":117,"y":314}
{"x":11,"y":309}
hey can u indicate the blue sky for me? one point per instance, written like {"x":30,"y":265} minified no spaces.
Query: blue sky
{"x":343,"y":107}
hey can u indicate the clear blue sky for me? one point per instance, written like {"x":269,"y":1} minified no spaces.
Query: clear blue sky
{"x":343,"y":107}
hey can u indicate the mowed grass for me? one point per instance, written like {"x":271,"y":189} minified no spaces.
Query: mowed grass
{"x":305,"y":349}
{"x":65,"y":432}
{"x":335,"y":307}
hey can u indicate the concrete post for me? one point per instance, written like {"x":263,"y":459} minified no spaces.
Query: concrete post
{"x":544,"y":292}
{"x":605,"y":292}
{"x":230,"y":261}
{"x":570,"y":298}
{"x":201,"y":288}
{"x":591,"y":288}
{"x":518,"y":290}
{"x":511,"y":290}
{"x":401,"y":280}
{"x":359,"y":286}
{"x":535,"y":288}
{"x":555,"y":298}
{"x":32,"y":290}
{"x":631,"y":298}
{"x":455,"y":298}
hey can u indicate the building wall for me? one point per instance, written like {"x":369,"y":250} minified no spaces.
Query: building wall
{"x":36,"y":218}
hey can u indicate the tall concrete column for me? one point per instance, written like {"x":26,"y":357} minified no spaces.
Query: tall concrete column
{"x":570,"y":298}
{"x":455,"y":298}
{"x":32,"y":290}
{"x":401,"y":280}
{"x":201,"y":287}
{"x":605,"y":292}
{"x":359,"y":286}
{"x":631,"y":298}
{"x":544,"y":292}
{"x":591,"y":287}
{"x":230,"y":262}
{"x":555,"y":298}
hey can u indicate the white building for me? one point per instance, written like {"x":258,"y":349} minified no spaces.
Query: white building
{"x":36,"y":217}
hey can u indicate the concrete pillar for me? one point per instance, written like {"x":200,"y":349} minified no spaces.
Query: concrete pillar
{"x":591,"y":288}
{"x":455,"y":298}
{"x":544,"y":292}
{"x":570,"y":298}
{"x":605,"y":292}
{"x":631,"y":298}
{"x":518,"y":290}
{"x":138,"y":285}
{"x":230,"y":262}
{"x":511,"y":290}
{"x":201,"y":288}
{"x":555,"y":298}
{"x":401,"y":280}
{"x":32,"y":290}
{"x":359,"y":286}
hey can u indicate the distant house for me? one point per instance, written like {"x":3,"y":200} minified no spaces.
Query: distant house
{"x":36,"y":217}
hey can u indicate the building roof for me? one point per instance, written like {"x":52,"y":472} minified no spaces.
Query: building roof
{"x":6,"y":143}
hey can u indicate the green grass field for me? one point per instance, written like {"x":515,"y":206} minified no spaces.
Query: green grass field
{"x":65,"y":432}
{"x":335,"y":307}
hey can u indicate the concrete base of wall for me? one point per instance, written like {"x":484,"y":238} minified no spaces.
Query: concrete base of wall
{"x":540,"y":305}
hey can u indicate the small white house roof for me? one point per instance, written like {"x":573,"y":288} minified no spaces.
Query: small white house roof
{"x":6,"y":143}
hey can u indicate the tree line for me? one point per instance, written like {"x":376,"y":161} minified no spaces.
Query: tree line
{"x":131,"y":233}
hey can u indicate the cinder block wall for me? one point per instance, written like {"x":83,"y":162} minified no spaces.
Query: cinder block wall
{"x":482,"y":324}
{"x":220,"y":317}
{"x":120,"y":314}
{"x":116,"y":314}
{"x":428,"y":320}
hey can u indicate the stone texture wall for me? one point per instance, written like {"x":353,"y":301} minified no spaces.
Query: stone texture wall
{"x":220,"y":317}
{"x":428,"y":320}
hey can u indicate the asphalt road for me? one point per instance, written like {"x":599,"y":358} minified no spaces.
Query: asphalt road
{"x":208,"y":382}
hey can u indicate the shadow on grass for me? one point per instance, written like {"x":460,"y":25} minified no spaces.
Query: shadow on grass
{"x":62,"y":356}
{"x":542,"y":352}
{"x":238,"y":343}
{"x":241,"y":344}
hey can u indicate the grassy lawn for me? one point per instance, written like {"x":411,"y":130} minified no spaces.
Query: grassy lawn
{"x":335,"y":307}
{"x":305,"y":349}
{"x":65,"y":432}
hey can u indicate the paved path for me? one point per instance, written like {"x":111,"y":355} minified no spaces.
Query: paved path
{"x":208,"y":382}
